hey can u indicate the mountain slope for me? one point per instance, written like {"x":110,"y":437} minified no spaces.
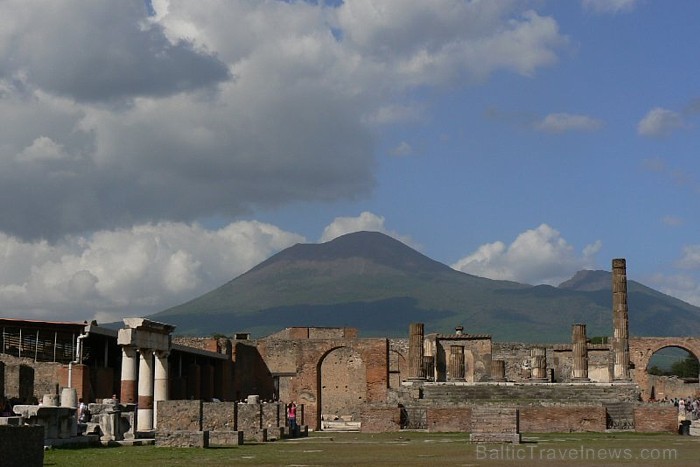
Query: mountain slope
{"x":379,"y":285}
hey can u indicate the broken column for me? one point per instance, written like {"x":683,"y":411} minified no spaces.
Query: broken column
{"x":538,"y":363}
{"x":416,"y":371}
{"x":620,"y":340}
{"x":456,"y":370}
{"x":498,"y":370}
{"x":579,"y":348}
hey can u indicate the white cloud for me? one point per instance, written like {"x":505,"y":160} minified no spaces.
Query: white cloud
{"x":366,"y":221}
{"x":135,"y":271}
{"x":660,"y":122}
{"x":690,"y":258}
{"x":682,"y":286}
{"x":214,"y":108}
{"x":563,"y":122}
{"x":537,"y":256}
{"x":609,"y":6}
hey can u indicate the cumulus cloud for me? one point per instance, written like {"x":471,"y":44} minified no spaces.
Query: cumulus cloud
{"x":216,"y":108}
{"x":536,"y":256}
{"x":366,"y":221}
{"x":660,"y":122}
{"x":138,"y":271}
{"x":609,"y":6}
{"x":563,"y":122}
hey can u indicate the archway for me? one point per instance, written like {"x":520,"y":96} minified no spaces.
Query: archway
{"x":342,"y":378}
{"x":672,"y":373}
{"x":641,"y":351}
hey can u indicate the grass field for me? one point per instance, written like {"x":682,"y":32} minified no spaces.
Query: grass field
{"x":406,"y":448}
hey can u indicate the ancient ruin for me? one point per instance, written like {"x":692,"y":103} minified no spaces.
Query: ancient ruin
{"x":144,"y":383}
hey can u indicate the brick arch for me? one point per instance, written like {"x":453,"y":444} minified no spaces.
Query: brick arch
{"x":342,"y":384}
{"x":373,"y":352}
{"x":643,"y":348}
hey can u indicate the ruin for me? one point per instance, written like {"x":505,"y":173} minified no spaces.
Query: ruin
{"x":143,"y":382}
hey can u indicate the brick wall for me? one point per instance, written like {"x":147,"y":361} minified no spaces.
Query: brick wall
{"x":380,"y":419}
{"x":655,"y":418}
{"x":542,"y":419}
{"x":449,"y":419}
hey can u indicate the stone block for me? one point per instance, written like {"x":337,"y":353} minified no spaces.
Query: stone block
{"x":225,"y":438}
{"x":182,"y":439}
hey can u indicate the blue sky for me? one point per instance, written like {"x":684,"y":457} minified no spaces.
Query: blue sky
{"x":151,"y":154}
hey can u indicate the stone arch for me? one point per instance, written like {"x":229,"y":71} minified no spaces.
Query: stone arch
{"x":342,"y":384}
{"x":642,"y":349}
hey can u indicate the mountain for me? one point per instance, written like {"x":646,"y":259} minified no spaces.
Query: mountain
{"x":373,"y":282}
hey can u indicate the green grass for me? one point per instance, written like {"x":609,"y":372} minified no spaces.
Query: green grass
{"x":406,"y":448}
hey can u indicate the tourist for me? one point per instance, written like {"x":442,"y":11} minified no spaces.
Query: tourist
{"x":83,"y":412}
{"x":292,"y":417}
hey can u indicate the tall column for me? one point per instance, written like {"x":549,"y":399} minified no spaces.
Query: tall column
{"x":129,"y":375}
{"x":620,"y":340}
{"x":498,"y":370}
{"x":160,"y":387}
{"x":145,"y":407}
{"x":416,"y":371}
{"x":579,"y":371}
{"x":457,"y":363}
{"x":538,"y":362}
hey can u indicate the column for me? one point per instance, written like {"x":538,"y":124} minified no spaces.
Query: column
{"x":429,"y":367}
{"x":145,"y":405}
{"x":538,"y":362}
{"x":129,"y":374}
{"x":160,"y":386}
{"x":415,"y":352}
{"x":456,"y":370}
{"x":579,"y":370}
{"x":498,"y":370}
{"x":620,"y":340}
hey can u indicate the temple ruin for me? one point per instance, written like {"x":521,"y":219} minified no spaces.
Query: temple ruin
{"x":141,"y":379}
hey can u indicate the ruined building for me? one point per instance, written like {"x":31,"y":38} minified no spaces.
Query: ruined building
{"x":425,"y":381}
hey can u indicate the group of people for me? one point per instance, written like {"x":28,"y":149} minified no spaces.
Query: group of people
{"x":689,"y":407}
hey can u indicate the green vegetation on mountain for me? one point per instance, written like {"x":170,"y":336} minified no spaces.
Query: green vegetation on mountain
{"x":379,"y":285}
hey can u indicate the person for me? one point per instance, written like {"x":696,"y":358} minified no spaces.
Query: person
{"x":292,"y":417}
{"x":83,"y":411}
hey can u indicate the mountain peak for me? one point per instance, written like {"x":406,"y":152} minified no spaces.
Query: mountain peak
{"x":374,"y":247}
{"x":588,"y":281}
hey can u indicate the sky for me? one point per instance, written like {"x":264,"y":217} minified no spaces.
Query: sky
{"x":151,"y":151}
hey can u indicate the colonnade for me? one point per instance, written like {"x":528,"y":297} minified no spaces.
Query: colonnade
{"x":145,"y":346}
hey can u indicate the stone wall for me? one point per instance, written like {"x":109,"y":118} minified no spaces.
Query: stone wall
{"x":25,"y":378}
{"x":655,"y":418}
{"x":179,"y":415}
{"x":671,"y":387}
{"x":21,"y":446}
{"x":218,"y":416}
{"x":557,"y":419}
